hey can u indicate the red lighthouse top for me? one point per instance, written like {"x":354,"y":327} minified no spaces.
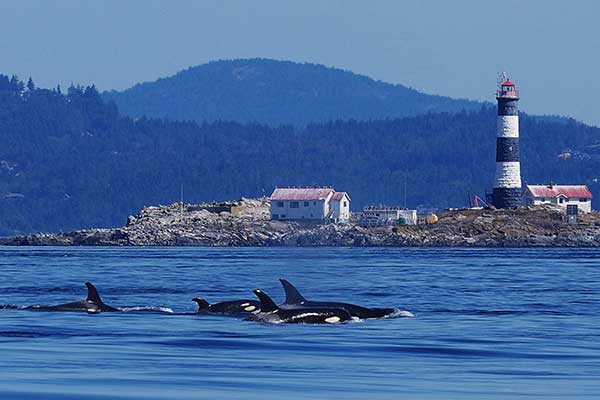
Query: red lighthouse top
{"x":506,"y":88}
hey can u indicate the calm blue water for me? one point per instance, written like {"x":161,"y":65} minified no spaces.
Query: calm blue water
{"x":490,"y":324}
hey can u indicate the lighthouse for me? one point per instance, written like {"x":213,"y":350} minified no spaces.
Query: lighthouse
{"x":507,"y":184}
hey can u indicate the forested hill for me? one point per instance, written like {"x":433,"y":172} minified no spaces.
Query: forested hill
{"x":71,"y":161}
{"x":275,"y":92}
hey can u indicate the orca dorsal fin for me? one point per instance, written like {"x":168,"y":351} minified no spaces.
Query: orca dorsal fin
{"x":292,"y":295}
{"x":93,"y":294}
{"x":202,"y":304}
{"x":266,"y":303}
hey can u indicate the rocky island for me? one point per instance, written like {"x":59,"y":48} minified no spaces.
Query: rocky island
{"x":246,"y":222}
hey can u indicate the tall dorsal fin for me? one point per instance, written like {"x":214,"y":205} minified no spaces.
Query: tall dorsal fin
{"x":93,"y":295}
{"x":292,"y":295}
{"x":202,"y":304}
{"x":266,"y":303}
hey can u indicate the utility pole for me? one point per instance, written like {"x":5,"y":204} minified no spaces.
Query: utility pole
{"x":405,"y":193}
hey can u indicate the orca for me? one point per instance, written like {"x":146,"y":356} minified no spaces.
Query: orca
{"x":92,"y":304}
{"x":227,"y":307}
{"x":293,"y":300}
{"x":271,"y":313}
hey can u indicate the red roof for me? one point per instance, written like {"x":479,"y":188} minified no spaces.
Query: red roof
{"x":508,"y":83}
{"x":581,"y":191}
{"x":338,"y":196}
{"x":301,"y":194}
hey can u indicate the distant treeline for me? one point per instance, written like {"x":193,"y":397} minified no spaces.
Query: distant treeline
{"x":69,"y":160}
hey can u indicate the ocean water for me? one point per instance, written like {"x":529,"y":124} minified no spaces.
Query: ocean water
{"x":489,"y":324}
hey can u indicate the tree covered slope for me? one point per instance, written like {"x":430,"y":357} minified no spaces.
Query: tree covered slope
{"x":275,"y":92}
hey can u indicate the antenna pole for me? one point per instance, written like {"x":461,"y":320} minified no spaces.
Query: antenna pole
{"x":181,"y":204}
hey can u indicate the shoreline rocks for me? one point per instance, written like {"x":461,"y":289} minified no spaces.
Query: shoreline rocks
{"x":246,"y":223}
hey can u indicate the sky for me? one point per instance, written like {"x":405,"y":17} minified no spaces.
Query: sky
{"x":453,"y":48}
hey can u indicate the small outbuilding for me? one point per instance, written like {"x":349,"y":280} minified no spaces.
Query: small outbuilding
{"x":561,"y":195}
{"x":387,"y":216}
{"x":340,"y":207}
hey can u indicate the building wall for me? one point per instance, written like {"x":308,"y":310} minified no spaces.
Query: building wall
{"x":410,"y":216}
{"x":379,"y":217}
{"x":314,"y":210}
{"x":341,"y":212}
{"x":585,"y":206}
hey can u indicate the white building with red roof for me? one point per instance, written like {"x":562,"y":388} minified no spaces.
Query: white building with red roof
{"x":316,"y":204}
{"x":561,"y":195}
{"x":340,"y":204}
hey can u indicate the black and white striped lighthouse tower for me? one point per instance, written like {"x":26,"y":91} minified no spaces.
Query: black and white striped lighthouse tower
{"x":507,"y":185}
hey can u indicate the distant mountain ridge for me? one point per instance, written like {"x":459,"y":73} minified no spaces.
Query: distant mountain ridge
{"x":276,"y":92}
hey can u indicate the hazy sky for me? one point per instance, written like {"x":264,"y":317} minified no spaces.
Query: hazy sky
{"x":455,"y":48}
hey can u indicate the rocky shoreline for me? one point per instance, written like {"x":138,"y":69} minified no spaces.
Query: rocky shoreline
{"x":246,"y":223}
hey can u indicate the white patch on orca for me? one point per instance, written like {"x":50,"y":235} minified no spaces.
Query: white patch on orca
{"x":250,"y":308}
{"x":332,"y":320}
{"x":245,"y":305}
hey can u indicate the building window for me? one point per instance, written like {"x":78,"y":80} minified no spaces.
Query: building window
{"x":280,"y":204}
{"x":294,"y":204}
{"x":561,"y":200}
{"x":306,"y":204}
{"x":275,"y":216}
{"x":345,"y":204}
{"x":314,"y":203}
{"x":282,"y":216}
{"x":583,"y":199}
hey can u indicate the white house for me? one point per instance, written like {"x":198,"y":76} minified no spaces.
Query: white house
{"x":561,"y":195}
{"x":317,"y":204}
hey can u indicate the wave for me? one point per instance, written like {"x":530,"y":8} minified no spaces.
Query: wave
{"x":398,"y":313}
{"x":11,"y":307}
{"x":156,"y":309}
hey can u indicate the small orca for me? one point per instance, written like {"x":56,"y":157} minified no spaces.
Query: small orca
{"x":92,"y":304}
{"x":271,"y":313}
{"x":227,"y":307}
{"x":293,"y":299}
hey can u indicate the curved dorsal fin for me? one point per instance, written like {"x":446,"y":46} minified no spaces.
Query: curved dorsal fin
{"x":202,"y":304}
{"x":292,"y":295}
{"x":266,"y":303}
{"x":93,"y":294}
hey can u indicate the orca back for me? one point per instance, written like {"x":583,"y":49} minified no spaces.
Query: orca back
{"x":293,"y":299}
{"x":234,"y":307}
